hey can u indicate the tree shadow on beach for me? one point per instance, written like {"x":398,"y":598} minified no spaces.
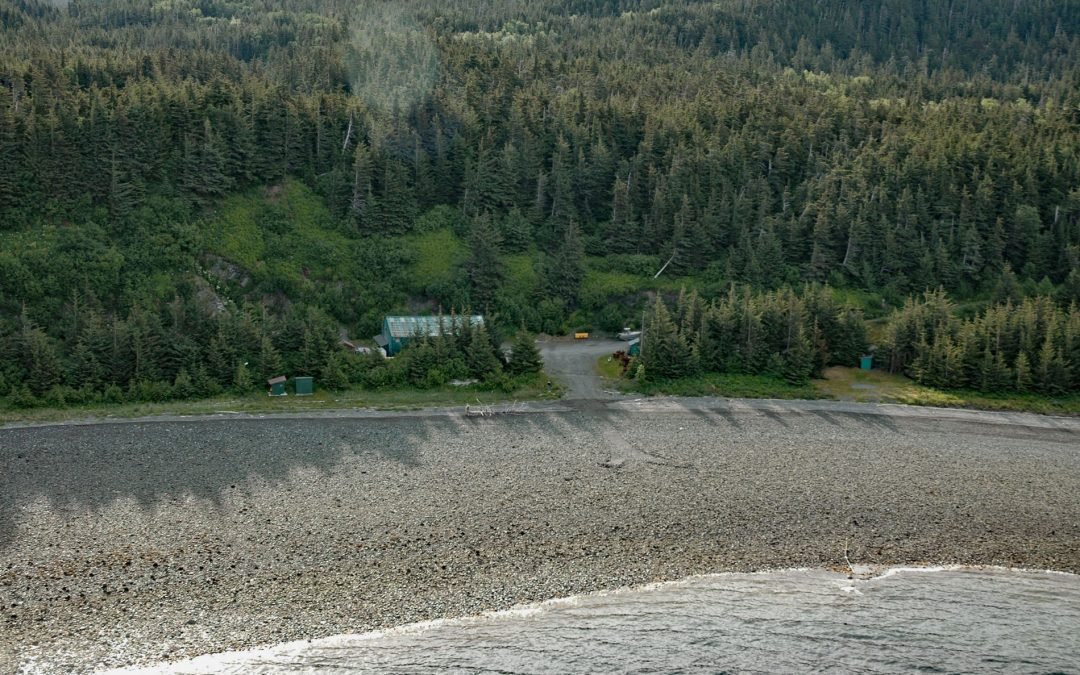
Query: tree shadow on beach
{"x":88,"y":467}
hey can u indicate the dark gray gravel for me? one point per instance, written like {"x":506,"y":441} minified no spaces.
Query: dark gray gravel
{"x":136,"y":542}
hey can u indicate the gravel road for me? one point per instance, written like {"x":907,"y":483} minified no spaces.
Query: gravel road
{"x":135,"y":542}
{"x":574,"y":365}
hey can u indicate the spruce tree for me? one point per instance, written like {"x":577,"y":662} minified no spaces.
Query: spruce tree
{"x":1023,"y":383}
{"x":484,"y":267}
{"x":242,"y":380}
{"x":799,"y":358}
{"x":332,"y":376}
{"x":564,"y":270}
{"x":524,"y":357}
{"x":664,"y":352}
{"x":479,"y":356}
{"x":1008,"y":287}
{"x":43,"y":369}
{"x":420,"y":359}
{"x":183,"y":386}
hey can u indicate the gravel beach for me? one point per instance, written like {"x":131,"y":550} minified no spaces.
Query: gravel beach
{"x":139,"y":541}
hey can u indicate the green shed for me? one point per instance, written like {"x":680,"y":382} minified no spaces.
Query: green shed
{"x":277,"y":385}
{"x":633,"y":347}
{"x":304,"y":386}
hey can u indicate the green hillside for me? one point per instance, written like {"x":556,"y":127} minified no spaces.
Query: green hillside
{"x":190,"y":186}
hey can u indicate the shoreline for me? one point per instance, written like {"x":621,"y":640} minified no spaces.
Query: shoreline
{"x":147,"y":541}
{"x":209,"y":662}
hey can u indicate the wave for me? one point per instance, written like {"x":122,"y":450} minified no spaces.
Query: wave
{"x":789,"y":618}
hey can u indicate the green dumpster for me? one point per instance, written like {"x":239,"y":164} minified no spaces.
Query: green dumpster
{"x":277,"y":385}
{"x":304,"y":386}
{"x":866,"y":362}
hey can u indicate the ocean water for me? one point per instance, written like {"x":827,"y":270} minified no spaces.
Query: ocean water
{"x":951,"y":620}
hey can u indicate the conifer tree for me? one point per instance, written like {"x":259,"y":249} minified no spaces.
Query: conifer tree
{"x":396,"y":203}
{"x":799,"y":358}
{"x":420,"y":360}
{"x":524,"y":357}
{"x":183,"y":387}
{"x":479,"y":356}
{"x":242,"y":381}
{"x":87,"y":371}
{"x":42,"y":362}
{"x":270,"y":363}
{"x":517,"y":231}
{"x":1008,"y":287}
{"x":665,"y":353}
{"x":1022,"y":368}
{"x":332,"y":376}
{"x":484,"y":267}
{"x":564,"y":270}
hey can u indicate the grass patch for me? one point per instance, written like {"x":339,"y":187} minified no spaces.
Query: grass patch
{"x":868,"y":386}
{"x":284,"y":233}
{"x":236,"y":235}
{"x":1046,"y":405}
{"x":876,"y":386}
{"x":609,"y":368}
{"x":521,"y":278}
{"x":438,"y":253}
{"x":727,"y":385}
{"x":872,"y":304}
{"x":532,"y":389}
{"x":597,"y":286}
{"x":600,"y":286}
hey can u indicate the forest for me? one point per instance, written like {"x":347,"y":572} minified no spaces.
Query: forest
{"x":198,"y":194}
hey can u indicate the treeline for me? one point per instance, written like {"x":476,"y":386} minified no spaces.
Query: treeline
{"x":1031,"y":346}
{"x":195,"y":351}
{"x":845,"y":157}
{"x":890,"y":148}
{"x":185,"y":351}
{"x":787,"y":334}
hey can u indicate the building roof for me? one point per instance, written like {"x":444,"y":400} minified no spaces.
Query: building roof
{"x":277,"y":380}
{"x":411,"y":326}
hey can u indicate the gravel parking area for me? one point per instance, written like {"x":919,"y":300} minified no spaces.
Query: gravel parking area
{"x":573,"y":363}
{"x":134,"y":542}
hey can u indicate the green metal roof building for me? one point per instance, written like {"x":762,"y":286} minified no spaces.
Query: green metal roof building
{"x":397,"y":331}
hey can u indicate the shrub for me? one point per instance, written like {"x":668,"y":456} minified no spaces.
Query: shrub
{"x":112,"y":394}
{"x":22,"y":397}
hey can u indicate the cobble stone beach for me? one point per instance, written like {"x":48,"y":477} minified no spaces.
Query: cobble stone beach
{"x":139,"y":541}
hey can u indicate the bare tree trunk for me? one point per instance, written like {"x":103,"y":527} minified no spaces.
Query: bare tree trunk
{"x":348,"y":135}
{"x":847,"y":254}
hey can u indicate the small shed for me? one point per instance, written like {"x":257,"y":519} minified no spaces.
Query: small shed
{"x":633,"y":348}
{"x":304,"y":386}
{"x":398,"y":331}
{"x":276,"y":385}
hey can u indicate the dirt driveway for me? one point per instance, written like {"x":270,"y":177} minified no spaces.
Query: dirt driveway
{"x":573,"y":364}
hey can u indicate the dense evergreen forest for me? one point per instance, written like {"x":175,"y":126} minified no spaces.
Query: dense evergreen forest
{"x":197,"y":194}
